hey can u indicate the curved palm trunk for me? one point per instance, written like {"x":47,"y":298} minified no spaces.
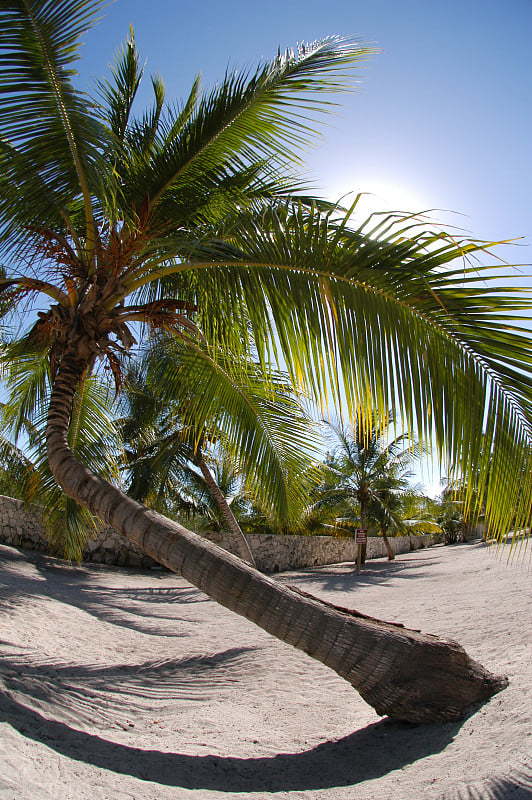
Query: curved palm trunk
{"x":391,"y":554}
{"x":402,"y":673}
{"x":239,"y":539}
{"x":364,"y":525}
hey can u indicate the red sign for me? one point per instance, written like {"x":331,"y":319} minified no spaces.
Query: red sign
{"x":361,"y":535}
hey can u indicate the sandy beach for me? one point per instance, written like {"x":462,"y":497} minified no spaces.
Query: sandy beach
{"x":120,"y":684}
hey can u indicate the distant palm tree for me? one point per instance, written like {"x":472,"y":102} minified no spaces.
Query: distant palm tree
{"x":186,"y":218}
{"x":366,"y":476}
{"x":259,"y":427}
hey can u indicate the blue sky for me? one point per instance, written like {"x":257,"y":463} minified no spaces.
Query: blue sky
{"x":442,"y":118}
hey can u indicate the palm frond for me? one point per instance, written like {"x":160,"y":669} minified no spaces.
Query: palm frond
{"x":395,"y":323}
{"x":92,"y":434}
{"x":53,"y":138}
{"x":266,"y":116}
{"x":118,"y":93}
{"x":252,"y":415}
{"x":28,"y":386}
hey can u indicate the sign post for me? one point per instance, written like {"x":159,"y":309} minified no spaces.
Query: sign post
{"x":361,"y":537}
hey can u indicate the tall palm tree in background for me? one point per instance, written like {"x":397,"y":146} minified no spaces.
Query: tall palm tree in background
{"x":185,"y":218}
{"x":366,"y":475}
{"x":259,"y":427}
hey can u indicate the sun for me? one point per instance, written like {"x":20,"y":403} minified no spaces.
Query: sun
{"x":379,"y":196}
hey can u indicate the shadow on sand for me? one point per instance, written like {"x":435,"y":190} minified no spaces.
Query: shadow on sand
{"x":75,"y":585}
{"x":97,"y":694}
{"x":516,"y":785}
{"x":364,"y":755}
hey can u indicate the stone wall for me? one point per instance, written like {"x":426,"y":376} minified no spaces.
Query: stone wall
{"x":277,"y":553}
{"x":21,"y":527}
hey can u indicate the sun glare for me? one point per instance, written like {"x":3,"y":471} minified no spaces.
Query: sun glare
{"x":379,"y":196}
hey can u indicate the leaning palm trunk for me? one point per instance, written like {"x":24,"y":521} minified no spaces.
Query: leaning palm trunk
{"x":364,"y":524}
{"x":240,"y":541}
{"x":391,"y":554}
{"x":405,"y":674}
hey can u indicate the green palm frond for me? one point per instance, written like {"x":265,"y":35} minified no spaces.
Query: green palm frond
{"x":91,"y":436}
{"x":50,"y":138}
{"x":119,"y":91}
{"x":395,"y":318}
{"x":28,"y":385}
{"x":249,"y":118}
{"x":252,"y":415}
{"x":161,"y":453}
{"x":18,"y":477}
{"x":403,"y":323}
{"x":157,"y":455}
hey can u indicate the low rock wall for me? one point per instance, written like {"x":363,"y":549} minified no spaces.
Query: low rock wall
{"x":22,"y":527}
{"x":278,"y":553}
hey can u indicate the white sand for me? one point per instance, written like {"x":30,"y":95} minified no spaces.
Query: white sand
{"x":122,"y":684}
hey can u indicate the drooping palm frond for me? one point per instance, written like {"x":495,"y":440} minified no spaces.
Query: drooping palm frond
{"x":251,"y":415}
{"x":50,"y":138}
{"x":402,"y":322}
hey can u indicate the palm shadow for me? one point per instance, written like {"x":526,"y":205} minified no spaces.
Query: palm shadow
{"x":378,"y":572}
{"x":364,"y":755}
{"x":515,"y":785}
{"x":75,"y":586}
{"x":97,"y":694}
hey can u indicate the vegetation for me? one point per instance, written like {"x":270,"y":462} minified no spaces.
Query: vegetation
{"x":260,"y":440}
{"x":25,"y":472}
{"x":367,"y":477}
{"x":188,"y":218}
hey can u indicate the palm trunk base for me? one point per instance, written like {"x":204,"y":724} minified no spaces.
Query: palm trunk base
{"x":418,"y":678}
{"x":437,"y":683}
{"x":391,"y":554}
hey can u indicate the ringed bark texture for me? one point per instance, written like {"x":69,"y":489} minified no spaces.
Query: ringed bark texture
{"x":239,"y":539}
{"x":391,"y":554}
{"x":402,"y":673}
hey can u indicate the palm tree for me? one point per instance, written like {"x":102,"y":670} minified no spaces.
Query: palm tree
{"x":161,"y":453}
{"x":184,"y":218}
{"x":259,"y":427}
{"x":366,"y":476}
{"x":93,"y":437}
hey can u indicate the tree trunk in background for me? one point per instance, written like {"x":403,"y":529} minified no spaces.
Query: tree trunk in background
{"x":405,"y":674}
{"x":363,"y":524}
{"x":391,"y":554}
{"x":244,"y":550}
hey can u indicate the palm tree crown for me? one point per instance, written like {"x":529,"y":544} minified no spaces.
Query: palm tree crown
{"x":183,"y":218}
{"x":187,"y":218}
{"x":366,"y":471}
